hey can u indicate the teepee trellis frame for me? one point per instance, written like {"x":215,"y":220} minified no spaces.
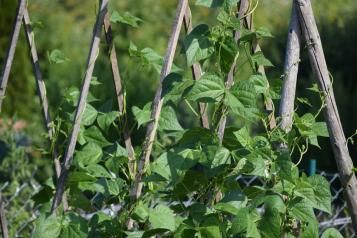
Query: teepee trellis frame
{"x":302,"y":26}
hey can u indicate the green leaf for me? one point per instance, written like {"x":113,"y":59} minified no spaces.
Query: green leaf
{"x":210,"y":227}
{"x":126,"y":18}
{"x":210,"y":88}
{"x":74,"y":226}
{"x":162,"y":217}
{"x":47,"y":226}
{"x":107,"y":119}
{"x":57,"y":57}
{"x":263,"y":32}
{"x":141,"y":212}
{"x":168,"y":120}
{"x":142,"y":116}
{"x":197,"y":45}
{"x":322,"y":193}
{"x":210,"y":3}
{"x":150,"y":58}
{"x":302,"y":210}
{"x":331,"y":233}
{"x":91,"y":153}
{"x":260,"y":59}
{"x":93,"y":134}
{"x":232,"y":202}
{"x":221,"y":157}
{"x":98,"y":171}
{"x":243,"y":136}
{"x":174,"y":86}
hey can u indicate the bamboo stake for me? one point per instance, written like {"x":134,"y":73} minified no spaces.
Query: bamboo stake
{"x":11,"y":50}
{"x":196,"y":71}
{"x":41,"y":89}
{"x":93,"y":53}
{"x":119,"y":94}
{"x":3,"y":221}
{"x":337,"y":137}
{"x":291,"y":68}
{"x":158,"y":101}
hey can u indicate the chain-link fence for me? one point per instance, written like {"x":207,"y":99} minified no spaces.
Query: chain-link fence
{"x":25,"y":213}
{"x":339,"y":217}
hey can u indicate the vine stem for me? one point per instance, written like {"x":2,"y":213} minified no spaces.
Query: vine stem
{"x":93,"y":53}
{"x":337,"y":137}
{"x":158,"y":101}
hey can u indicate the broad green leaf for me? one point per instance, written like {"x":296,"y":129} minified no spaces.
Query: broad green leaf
{"x":126,"y":18}
{"x":94,"y":135}
{"x":91,"y":153}
{"x":263,"y":32}
{"x":150,"y":58}
{"x":270,"y":224}
{"x":47,"y":226}
{"x":240,"y":222}
{"x":107,"y":119}
{"x":162,"y":217}
{"x":232,"y":202}
{"x":142,"y":116}
{"x":197,"y":45}
{"x":74,"y":226}
{"x":322,"y":193}
{"x":243,"y":136}
{"x":141,"y":212}
{"x":210,"y":88}
{"x":260,"y":59}
{"x":168,"y":120}
{"x":98,"y":171}
{"x":210,"y":227}
{"x":96,"y":187}
{"x":331,"y":233}
{"x":302,"y":210}
{"x":174,"y":87}
{"x":221,"y":157}
{"x":198,"y":211}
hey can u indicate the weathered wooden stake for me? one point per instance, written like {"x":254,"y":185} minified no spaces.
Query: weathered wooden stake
{"x":93,"y":53}
{"x":291,"y":68}
{"x":119,"y":94}
{"x":196,"y":71}
{"x":11,"y":50}
{"x":337,"y":137}
{"x":158,"y":100}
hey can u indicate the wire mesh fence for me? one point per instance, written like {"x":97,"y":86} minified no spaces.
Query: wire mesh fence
{"x":26,"y":211}
{"x":339,"y":217}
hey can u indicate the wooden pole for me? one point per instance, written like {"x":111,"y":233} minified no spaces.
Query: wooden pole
{"x":158,"y":101}
{"x":119,"y":94}
{"x":337,"y":137}
{"x":41,"y":89}
{"x":93,"y":53}
{"x":291,"y":68}
{"x":11,"y":50}
{"x":196,"y":71}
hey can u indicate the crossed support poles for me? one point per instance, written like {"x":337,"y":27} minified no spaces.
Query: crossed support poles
{"x":303,"y":27}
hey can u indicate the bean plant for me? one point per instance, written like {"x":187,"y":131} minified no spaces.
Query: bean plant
{"x":190,"y":185}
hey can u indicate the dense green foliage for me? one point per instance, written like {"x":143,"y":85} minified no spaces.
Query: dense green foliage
{"x":191,"y":188}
